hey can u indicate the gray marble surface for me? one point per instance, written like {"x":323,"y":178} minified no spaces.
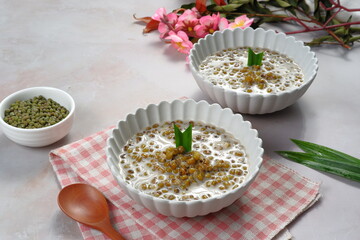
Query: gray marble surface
{"x":97,"y":53}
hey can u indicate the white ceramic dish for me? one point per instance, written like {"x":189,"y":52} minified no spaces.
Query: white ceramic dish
{"x":185,"y":110}
{"x":41,"y":136}
{"x":253,"y":103}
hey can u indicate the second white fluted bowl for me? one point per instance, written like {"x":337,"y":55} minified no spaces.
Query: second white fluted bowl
{"x":253,"y":103}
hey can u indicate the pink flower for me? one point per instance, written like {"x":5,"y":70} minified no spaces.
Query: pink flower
{"x":159,"y":14}
{"x":188,"y":15}
{"x":167,"y":24}
{"x":194,"y":10}
{"x":187,"y":22}
{"x":223,"y":24}
{"x":180,"y":41}
{"x":242,"y":22}
{"x":208,"y":25}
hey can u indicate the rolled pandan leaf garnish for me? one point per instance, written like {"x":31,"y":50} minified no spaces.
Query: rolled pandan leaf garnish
{"x":183,"y":138}
{"x":253,"y":58}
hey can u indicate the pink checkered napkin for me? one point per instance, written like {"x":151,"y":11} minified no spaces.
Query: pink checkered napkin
{"x":275,"y":198}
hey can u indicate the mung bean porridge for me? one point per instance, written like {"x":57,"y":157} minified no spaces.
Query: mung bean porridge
{"x":228,"y":69}
{"x":151,"y":163}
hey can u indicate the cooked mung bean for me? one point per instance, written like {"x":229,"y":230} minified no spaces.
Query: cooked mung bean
{"x":228,"y":69}
{"x":217,"y":163}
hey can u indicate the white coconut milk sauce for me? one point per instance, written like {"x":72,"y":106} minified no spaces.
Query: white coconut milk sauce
{"x":151,"y":163}
{"x":228,"y":68}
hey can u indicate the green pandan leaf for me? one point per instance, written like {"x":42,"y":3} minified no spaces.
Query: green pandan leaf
{"x":183,"y":138}
{"x":254,"y":59}
{"x":325,"y":151}
{"x":324,"y":159}
{"x":322,"y":164}
{"x":178,"y":136}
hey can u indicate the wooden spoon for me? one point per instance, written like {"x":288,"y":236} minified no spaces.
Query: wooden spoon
{"x":87,"y":205}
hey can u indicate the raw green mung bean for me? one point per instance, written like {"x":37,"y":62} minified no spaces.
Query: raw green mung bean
{"x":37,"y":112}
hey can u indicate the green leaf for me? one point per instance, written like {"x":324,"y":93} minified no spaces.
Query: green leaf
{"x":178,"y":136}
{"x":308,"y":161}
{"x":312,"y":157}
{"x":327,"y":3}
{"x":355,"y":39}
{"x":256,"y":4}
{"x":317,"y":11}
{"x":187,"y":139}
{"x":292,"y":10}
{"x":324,"y":159}
{"x":253,"y":7}
{"x":342,"y":31}
{"x":320,"y":40}
{"x":239,"y":1}
{"x":304,"y":6}
{"x":283,"y":3}
{"x":265,"y":20}
{"x":293,"y":3}
{"x":325,"y":151}
{"x":183,"y":138}
{"x":188,"y":6}
{"x":253,"y":58}
{"x":279,"y":4}
{"x":226,"y":8}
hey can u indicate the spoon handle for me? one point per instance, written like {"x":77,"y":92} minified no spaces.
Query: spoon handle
{"x":112,"y":233}
{"x":106,"y":227}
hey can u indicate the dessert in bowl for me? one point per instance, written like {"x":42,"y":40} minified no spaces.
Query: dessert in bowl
{"x":219,"y":65}
{"x":224,"y":159}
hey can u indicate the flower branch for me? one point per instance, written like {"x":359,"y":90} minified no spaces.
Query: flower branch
{"x":322,"y":26}
{"x":338,"y":5}
{"x":183,"y":26}
{"x":190,"y":22}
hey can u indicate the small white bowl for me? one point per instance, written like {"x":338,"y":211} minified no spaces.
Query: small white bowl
{"x":185,"y":110}
{"x":253,"y":103}
{"x":38,"y":137}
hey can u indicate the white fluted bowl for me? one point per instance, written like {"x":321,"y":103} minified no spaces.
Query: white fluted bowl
{"x":253,"y":103}
{"x":38,"y":137}
{"x":185,"y":110}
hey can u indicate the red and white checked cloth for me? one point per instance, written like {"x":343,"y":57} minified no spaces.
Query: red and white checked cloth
{"x":275,"y":198}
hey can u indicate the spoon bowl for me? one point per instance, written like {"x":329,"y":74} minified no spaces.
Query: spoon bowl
{"x":87,"y":205}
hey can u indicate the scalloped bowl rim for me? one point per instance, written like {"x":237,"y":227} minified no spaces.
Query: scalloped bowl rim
{"x":245,"y":184}
{"x":210,"y":36}
{"x":195,"y":57}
